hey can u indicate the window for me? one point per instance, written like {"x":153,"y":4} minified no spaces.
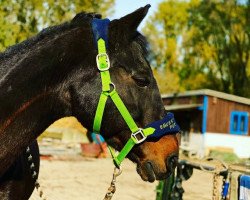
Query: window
{"x":239,"y":122}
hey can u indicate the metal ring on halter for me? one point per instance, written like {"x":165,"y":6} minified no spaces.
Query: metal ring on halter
{"x":117,"y":171}
{"x":112,"y":87}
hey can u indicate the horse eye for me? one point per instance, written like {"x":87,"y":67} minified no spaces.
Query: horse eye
{"x":141,"y":81}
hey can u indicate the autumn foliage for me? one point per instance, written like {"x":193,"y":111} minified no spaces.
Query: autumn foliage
{"x":201,"y":44}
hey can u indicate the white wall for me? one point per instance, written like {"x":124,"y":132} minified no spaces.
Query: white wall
{"x":194,"y":144}
{"x":240,"y":144}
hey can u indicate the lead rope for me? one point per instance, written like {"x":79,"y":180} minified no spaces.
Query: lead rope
{"x":216,"y":195}
{"x":34,"y":174}
{"x":111,"y":190}
{"x":112,"y":187}
{"x":216,"y":183}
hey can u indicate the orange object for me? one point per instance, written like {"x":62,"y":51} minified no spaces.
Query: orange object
{"x":94,"y":150}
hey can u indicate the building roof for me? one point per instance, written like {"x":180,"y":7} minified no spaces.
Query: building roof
{"x":182,"y":106}
{"x":209,"y":92}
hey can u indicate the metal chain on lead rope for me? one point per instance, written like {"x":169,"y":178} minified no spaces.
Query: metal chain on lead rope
{"x":34,"y":174}
{"x":108,"y":196}
{"x":216,"y":183}
{"x":216,"y":195}
{"x":112,"y":187}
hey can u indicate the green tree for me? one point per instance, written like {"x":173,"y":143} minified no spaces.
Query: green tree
{"x":20,"y":19}
{"x":222,"y":39}
{"x":167,"y":80}
{"x":211,"y":43}
{"x":164,"y":32}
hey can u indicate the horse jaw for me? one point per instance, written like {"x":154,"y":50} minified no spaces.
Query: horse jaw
{"x":155,"y":160}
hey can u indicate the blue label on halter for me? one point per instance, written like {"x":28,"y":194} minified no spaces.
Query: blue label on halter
{"x":100,"y":30}
{"x":165,"y":126}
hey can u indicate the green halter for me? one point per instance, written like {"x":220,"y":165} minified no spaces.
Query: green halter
{"x":165,"y":126}
{"x":138,"y":135}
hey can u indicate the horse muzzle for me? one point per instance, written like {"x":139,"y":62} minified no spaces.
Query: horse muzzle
{"x":158,"y":158}
{"x":150,"y":171}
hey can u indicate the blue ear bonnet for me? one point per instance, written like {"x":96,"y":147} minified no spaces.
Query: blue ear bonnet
{"x":100,"y":30}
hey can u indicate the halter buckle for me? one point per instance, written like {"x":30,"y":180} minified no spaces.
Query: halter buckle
{"x":107,"y":61}
{"x":138,"y":136}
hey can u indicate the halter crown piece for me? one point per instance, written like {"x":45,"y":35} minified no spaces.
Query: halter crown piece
{"x":156,"y":129}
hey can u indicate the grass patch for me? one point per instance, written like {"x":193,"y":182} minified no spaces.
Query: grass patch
{"x":228,"y":157}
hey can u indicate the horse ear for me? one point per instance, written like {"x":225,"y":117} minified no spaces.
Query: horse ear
{"x":133,"y":20}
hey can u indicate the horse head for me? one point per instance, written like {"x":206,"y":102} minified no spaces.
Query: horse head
{"x":54,"y":75}
{"x":133,"y":79}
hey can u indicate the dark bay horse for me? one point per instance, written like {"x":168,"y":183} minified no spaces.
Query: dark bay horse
{"x":54,"y":75}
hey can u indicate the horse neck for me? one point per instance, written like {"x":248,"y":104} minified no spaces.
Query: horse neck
{"x":33,"y":91}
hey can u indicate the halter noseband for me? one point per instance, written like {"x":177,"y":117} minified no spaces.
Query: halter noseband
{"x":156,"y":129}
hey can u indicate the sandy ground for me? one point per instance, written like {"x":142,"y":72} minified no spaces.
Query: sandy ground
{"x":88,"y":179}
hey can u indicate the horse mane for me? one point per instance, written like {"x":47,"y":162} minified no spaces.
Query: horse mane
{"x":79,"y":20}
{"x":82,"y":19}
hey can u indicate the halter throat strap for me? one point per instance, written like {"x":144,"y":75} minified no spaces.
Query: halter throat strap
{"x":138,"y":135}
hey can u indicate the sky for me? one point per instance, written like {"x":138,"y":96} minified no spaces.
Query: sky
{"x":123,"y":7}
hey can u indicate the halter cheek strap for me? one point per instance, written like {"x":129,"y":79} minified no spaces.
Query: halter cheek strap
{"x":156,"y":129}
